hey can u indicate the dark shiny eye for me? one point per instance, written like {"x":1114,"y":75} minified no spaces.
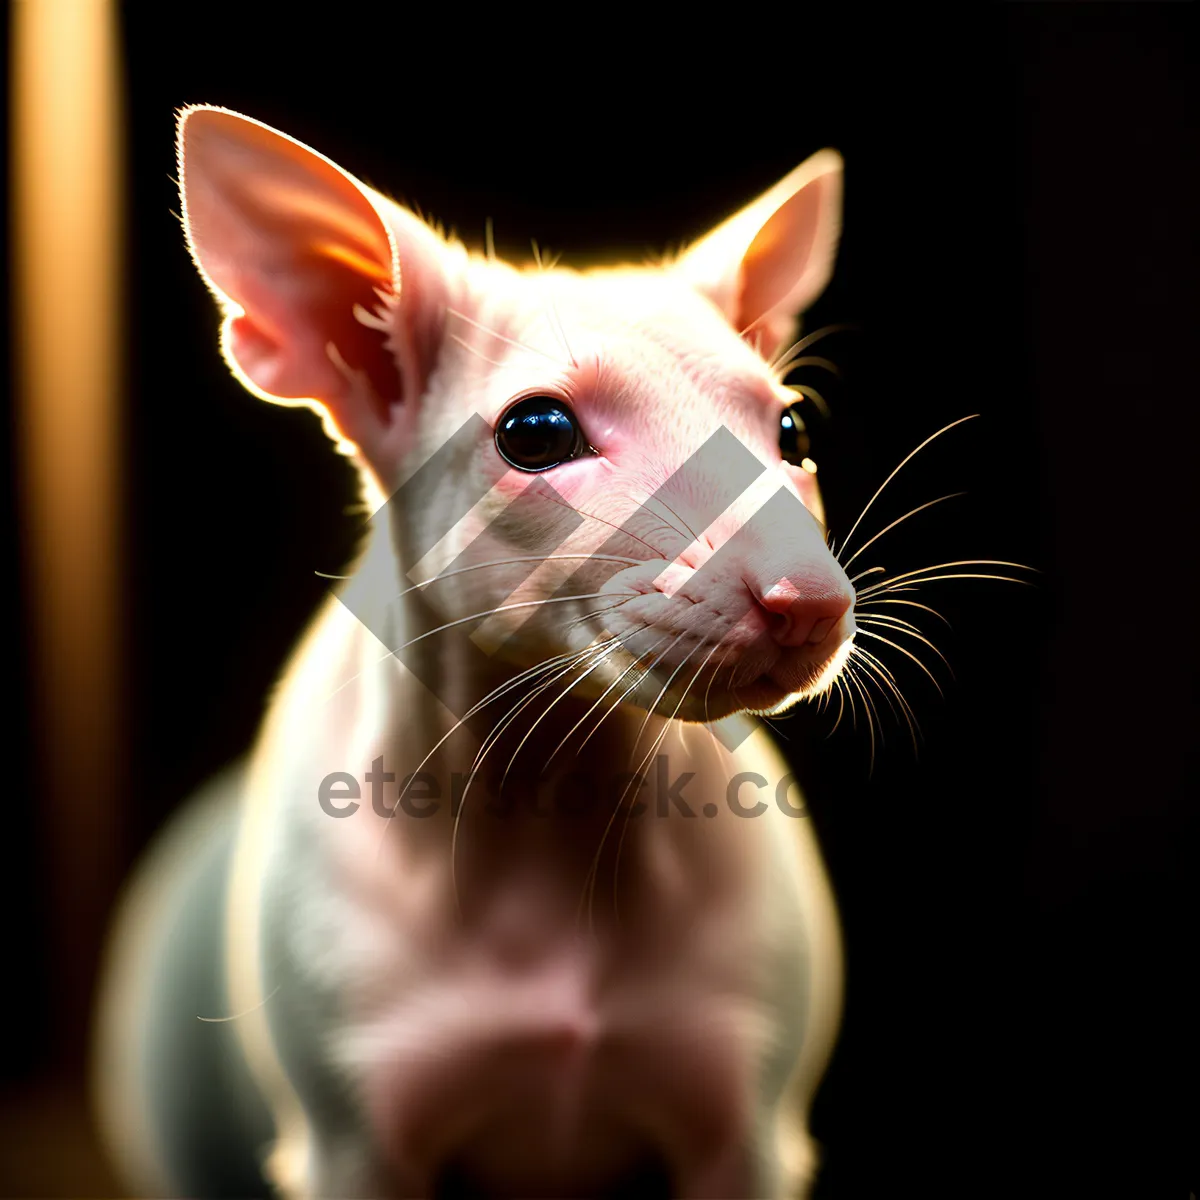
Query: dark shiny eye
{"x":795,"y":444}
{"x":538,"y":433}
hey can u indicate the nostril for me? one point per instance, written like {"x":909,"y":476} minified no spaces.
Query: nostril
{"x":803,"y":619}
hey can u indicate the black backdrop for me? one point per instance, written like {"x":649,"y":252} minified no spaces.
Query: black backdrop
{"x":1019,"y":242}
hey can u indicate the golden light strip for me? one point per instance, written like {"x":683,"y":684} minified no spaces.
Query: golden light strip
{"x":67,"y":172}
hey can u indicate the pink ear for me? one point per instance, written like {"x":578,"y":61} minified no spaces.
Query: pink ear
{"x":295,"y":247}
{"x":769,"y":262}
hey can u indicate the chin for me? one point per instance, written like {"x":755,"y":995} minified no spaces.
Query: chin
{"x":781,"y":689}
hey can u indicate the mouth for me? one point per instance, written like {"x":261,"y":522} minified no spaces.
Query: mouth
{"x":777,"y":692}
{"x":681,"y":674}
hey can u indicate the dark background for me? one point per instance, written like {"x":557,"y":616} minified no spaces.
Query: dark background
{"x":1019,"y":242}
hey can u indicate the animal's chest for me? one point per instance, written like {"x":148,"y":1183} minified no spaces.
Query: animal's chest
{"x":525,"y":1040}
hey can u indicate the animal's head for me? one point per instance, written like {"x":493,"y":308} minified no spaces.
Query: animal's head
{"x":606,"y":461}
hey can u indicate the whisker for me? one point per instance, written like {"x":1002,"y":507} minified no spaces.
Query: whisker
{"x":666,"y":686}
{"x":837,"y":683}
{"x":595,"y":612}
{"x":813,"y":360}
{"x":608,"y":647}
{"x":653,"y":750}
{"x":514,"y":712}
{"x":780,"y":364}
{"x":462,"y":316}
{"x":526,"y":676}
{"x":479,"y":616}
{"x":629,"y":691}
{"x":590,"y":878}
{"x":911,"y":630}
{"x":464,"y":621}
{"x":907,"y":458}
{"x":495,"y":362}
{"x":863,"y":574}
{"x":864,"y":679}
{"x":872,"y":602}
{"x":886,"y":674}
{"x":611,"y":687}
{"x":505,"y":562}
{"x":687,"y":529}
{"x":912,"y":512}
{"x":868,"y":676}
{"x":915,"y":577}
{"x":892,"y":621}
{"x":711,"y":680}
{"x":612,"y":525}
{"x":852,"y":677}
{"x":907,"y":654}
{"x":491,"y":740}
{"x":871,"y":664}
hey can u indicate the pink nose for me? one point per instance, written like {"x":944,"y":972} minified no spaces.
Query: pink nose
{"x":799,"y":619}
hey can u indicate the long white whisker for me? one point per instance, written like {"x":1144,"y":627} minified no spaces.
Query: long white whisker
{"x":837,"y":683}
{"x":863,"y":574}
{"x":645,"y":762}
{"x":869,"y":676}
{"x":897,"y":646}
{"x":687,"y":530}
{"x":495,"y":362}
{"x":852,"y":676}
{"x":590,"y":880}
{"x":853,"y":710}
{"x":608,"y":648}
{"x":911,"y":630}
{"x":611,"y":687}
{"x":665,"y":687}
{"x":814,"y":360}
{"x":711,"y":680}
{"x":454,"y":312}
{"x":501,"y":562}
{"x":871,"y":602}
{"x":779,"y":366}
{"x":526,"y":676}
{"x":907,"y":458}
{"x":915,"y":577}
{"x":603,"y":521}
{"x":479,"y":616}
{"x":872,"y":664}
{"x":912,"y":512}
{"x":489,"y":742}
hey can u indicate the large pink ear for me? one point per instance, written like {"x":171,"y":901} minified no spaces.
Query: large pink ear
{"x":768,"y":263}
{"x":320,"y":306}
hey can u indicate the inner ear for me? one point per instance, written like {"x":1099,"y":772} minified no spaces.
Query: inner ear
{"x":296,"y":248}
{"x":344,"y":319}
{"x":769,"y":262}
{"x":780,"y":274}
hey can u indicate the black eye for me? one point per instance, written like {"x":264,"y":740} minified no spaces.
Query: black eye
{"x":538,"y":433}
{"x":794,"y":442}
